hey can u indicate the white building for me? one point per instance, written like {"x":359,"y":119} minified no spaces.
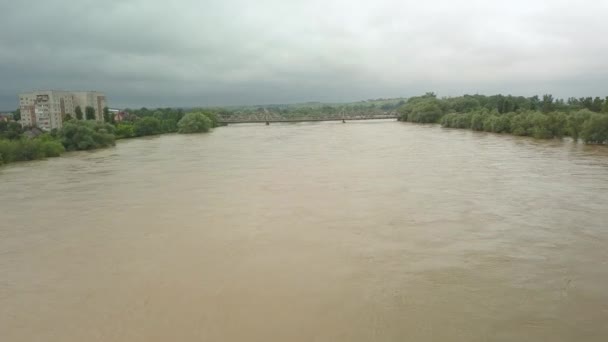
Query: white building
{"x":48,"y":109}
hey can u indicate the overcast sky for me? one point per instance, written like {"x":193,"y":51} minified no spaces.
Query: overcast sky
{"x":221,"y":52}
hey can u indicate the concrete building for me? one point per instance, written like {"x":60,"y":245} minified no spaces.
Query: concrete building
{"x":47,"y":109}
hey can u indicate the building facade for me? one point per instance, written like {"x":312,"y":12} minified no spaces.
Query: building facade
{"x":48,"y":109}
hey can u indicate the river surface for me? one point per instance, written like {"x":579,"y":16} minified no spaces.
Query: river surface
{"x":364,"y":231}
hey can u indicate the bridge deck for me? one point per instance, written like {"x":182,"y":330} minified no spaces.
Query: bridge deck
{"x":284,"y":120}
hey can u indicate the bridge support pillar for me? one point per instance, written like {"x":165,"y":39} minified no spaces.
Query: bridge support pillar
{"x":267,"y":123}
{"x":343,"y":121}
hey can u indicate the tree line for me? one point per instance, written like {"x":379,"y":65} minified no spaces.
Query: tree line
{"x":31,"y":143}
{"x":544,"y":118}
{"x":317,"y":109}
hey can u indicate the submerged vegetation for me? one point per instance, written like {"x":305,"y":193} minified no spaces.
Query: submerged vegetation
{"x":546,"y":118}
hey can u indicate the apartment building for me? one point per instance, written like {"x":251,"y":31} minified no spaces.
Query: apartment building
{"x":48,"y":109}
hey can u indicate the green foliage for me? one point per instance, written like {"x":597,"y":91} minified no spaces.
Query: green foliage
{"x":213,"y":117}
{"x":463,"y":104}
{"x":10,"y":130}
{"x":86,"y":135}
{"x":147,"y":126}
{"x":532,"y":117}
{"x":78,"y":113}
{"x":477,"y":120}
{"x":168,"y":126}
{"x":595,"y":129}
{"x":496,"y":123}
{"x":89,"y":113}
{"x":195,"y":123}
{"x":574,"y":123}
{"x":17,"y":114}
{"x":422,"y":109}
{"x":29,"y":149}
{"x":124,"y":130}
{"x":107,"y":117}
{"x":547,"y":104}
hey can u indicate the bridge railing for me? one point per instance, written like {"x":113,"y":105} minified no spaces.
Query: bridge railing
{"x":275,"y":117}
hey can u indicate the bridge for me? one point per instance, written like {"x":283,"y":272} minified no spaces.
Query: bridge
{"x":268,"y":117}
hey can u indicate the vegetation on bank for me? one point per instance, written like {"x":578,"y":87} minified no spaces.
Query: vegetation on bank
{"x":29,"y":149}
{"x":17,"y":144}
{"x":85,"y":135}
{"x":546,"y":118}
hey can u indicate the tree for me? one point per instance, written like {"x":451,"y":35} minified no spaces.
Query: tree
{"x":422,"y":109}
{"x":194,"y":123}
{"x":17,"y":114}
{"x":10,"y":130}
{"x":29,"y":149}
{"x":575,"y":123}
{"x":124,"y":130}
{"x":597,"y":104}
{"x":147,"y":126}
{"x":89,"y":113}
{"x":78,"y":112}
{"x":67,"y":118}
{"x":107,"y":117}
{"x":547,"y":104}
{"x":86,"y":135}
{"x":595,"y":129}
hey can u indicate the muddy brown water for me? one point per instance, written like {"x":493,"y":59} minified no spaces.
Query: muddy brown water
{"x":364,"y":231}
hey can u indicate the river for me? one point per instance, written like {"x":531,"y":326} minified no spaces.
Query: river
{"x":364,"y":231}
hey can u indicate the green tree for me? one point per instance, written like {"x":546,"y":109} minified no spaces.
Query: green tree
{"x":78,"y":112}
{"x":168,"y":126}
{"x":194,"y":123}
{"x":424,"y":109}
{"x":29,"y":149}
{"x":68,"y":117}
{"x":10,"y":130}
{"x":17,"y":114}
{"x":147,"y":126}
{"x":540,"y":127}
{"x":477,"y":120}
{"x":124,"y":130}
{"x":107,"y":117}
{"x":86,"y":135}
{"x":520,"y":124}
{"x":575,"y":121}
{"x":595,"y":129}
{"x":547,"y":104}
{"x":597,"y":104}
{"x":89,"y":113}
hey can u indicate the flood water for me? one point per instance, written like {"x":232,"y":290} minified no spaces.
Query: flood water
{"x":364,"y":231}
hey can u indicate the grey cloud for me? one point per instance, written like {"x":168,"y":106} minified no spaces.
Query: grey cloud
{"x":188,"y":52}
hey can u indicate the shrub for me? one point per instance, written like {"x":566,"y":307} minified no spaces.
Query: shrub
{"x":147,"y":126}
{"x":86,"y":135}
{"x":124,"y":130}
{"x":595,"y":129}
{"x":194,"y":123}
{"x":29,"y":149}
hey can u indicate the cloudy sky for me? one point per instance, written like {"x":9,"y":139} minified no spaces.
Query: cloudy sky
{"x":222,"y":52}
